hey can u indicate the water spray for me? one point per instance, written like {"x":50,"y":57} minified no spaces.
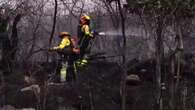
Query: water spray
{"x":101,"y":33}
{"x":107,"y":33}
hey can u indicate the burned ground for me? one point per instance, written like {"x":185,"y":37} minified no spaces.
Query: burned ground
{"x":98,"y":87}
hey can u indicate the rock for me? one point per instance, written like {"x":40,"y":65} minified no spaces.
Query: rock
{"x":133,"y":79}
{"x":33,"y":87}
{"x":8,"y":107}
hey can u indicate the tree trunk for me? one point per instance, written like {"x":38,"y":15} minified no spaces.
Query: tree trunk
{"x":14,"y":37}
{"x":124,"y":66}
{"x":6,"y":46}
{"x":179,"y":48}
{"x":45,"y":82}
{"x":185,"y":95}
{"x":177,"y":75}
{"x":176,"y":68}
{"x":159,"y":63}
{"x":54,"y":25}
{"x":172,"y":84}
{"x":2,"y":86}
{"x":54,"y":22}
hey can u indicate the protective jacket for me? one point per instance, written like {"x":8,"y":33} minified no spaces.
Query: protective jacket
{"x":65,"y":47}
{"x":65,"y":42}
{"x":84,"y":34}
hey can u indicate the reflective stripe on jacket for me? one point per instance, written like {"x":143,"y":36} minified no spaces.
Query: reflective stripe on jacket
{"x":64,"y":43}
{"x":86,"y":30}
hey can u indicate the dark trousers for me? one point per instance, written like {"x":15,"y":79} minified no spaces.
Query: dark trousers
{"x":84,"y":47}
{"x":71,"y":70}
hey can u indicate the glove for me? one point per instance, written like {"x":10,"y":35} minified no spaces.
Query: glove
{"x":53,"y":49}
{"x":50,"y":49}
{"x":76,"y":50}
{"x":95,"y":33}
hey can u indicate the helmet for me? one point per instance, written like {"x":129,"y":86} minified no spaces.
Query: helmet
{"x":64,"y":34}
{"x":86,"y":17}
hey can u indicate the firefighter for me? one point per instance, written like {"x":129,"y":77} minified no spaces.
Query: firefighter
{"x":66,"y":48}
{"x":84,"y":35}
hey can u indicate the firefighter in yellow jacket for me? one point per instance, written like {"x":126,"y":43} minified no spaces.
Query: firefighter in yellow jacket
{"x":65,"y":49}
{"x":65,"y":45}
{"x":84,"y":35}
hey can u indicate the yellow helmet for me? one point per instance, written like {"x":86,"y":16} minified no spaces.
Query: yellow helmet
{"x":64,"y":34}
{"x":86,"y":17}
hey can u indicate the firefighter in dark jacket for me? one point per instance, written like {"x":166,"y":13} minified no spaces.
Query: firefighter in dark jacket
{"x":84,"y":35}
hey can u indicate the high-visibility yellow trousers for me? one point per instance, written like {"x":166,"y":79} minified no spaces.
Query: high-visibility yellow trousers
{"x":63,"y":72}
